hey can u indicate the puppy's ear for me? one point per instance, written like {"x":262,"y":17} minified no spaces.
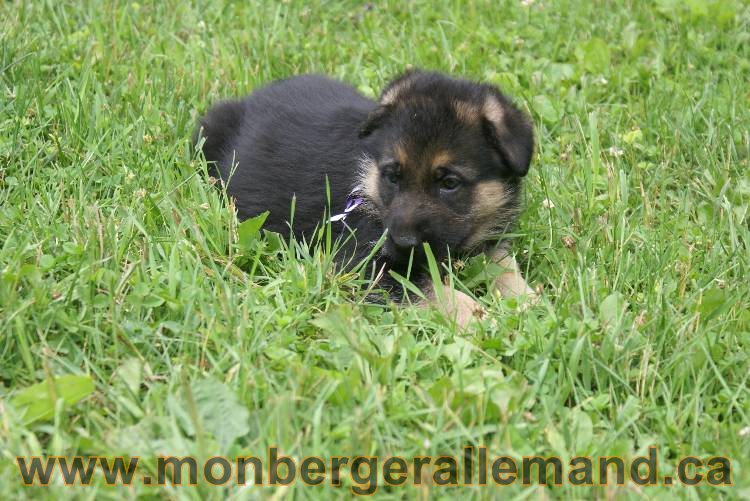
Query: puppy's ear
{"x":388,"y":100}
{"x":509,"y":131}
{"x":373,"y":121}
{"x":398,"y":86}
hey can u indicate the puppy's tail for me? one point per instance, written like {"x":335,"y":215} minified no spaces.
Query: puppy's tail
{"x":218,"y":128}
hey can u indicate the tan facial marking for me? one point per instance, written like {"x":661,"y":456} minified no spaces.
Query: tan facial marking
{"x":489,"y":199}
{"x":466,"y":112}
{"x":489,"y":196}
{"x":441,"y":159}
{"x":400,"y":153}
{"x":494,"y":112}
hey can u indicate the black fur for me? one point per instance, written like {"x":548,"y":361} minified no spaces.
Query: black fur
{"x":287,"y":138}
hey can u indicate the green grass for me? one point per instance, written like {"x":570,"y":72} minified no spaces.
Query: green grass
{"x":120,"y":263}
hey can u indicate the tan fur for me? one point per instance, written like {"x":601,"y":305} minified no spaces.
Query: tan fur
{"x":488,"y":197}
{"x":489,"y":200}
{"x":466,"y":111}
{"x":494,"y":112}
{"x":401,"y":155}
{"x":511,"y":282}
{"x":441,"y":159}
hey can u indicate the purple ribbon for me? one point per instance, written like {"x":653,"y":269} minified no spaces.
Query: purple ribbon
{"x":353,"y":201}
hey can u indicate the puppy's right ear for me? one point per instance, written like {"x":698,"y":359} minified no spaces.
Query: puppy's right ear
{"x":399,"y":86}
{"x":374,"y":120}
{"x":390,"y":96}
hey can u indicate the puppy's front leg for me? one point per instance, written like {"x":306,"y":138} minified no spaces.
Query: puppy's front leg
{"x":511,"y":282}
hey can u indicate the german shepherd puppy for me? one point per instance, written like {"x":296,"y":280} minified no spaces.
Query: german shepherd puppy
{"x":436,"y":160}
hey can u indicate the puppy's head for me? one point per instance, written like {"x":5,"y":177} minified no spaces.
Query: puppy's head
{"x":443,"y":163}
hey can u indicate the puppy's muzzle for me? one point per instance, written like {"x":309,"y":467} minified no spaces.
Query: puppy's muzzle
{"x":401,"y":243}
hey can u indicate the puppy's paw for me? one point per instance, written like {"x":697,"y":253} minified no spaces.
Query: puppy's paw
{"x":459,"y":307}
{"x":528,"y":298}
{"x":512,"y":284}
{"x":524,"y":295}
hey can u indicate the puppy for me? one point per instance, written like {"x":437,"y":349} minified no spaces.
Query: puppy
{"x":436,"y":160}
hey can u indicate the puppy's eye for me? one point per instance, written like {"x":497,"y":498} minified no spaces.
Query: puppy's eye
{"x":450,"y":183}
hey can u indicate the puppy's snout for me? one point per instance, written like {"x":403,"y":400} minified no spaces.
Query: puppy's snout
{"x":404,"y":240}
{"x":406,"y":228}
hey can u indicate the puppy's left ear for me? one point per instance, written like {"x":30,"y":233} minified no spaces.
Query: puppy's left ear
{"x":509,"y":131}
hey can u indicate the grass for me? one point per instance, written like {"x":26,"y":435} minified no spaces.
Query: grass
{"x":121,"y":265}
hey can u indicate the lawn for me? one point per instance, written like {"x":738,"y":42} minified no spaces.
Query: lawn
{"x":137,"y":318}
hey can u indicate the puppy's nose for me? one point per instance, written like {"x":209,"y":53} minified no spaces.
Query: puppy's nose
{"x":404,"y":240}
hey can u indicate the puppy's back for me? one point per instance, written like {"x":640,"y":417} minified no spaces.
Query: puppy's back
{"x":286,"y":139}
